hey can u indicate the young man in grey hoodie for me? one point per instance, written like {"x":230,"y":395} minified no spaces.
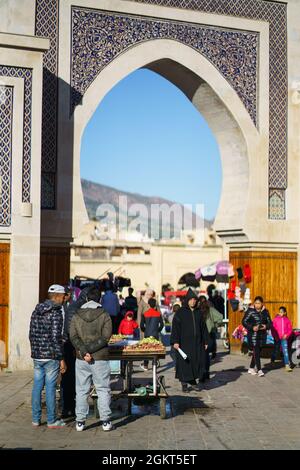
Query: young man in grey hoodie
{"x":90,"y":331}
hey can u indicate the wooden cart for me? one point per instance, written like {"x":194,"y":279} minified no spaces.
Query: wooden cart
{"x":159,"y":387}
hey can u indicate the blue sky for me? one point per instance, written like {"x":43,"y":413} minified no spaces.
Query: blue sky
{"x":146,"y":137}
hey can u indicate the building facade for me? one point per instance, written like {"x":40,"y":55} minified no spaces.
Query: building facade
{"x":237,"y":61}
{"x":147,"y":263}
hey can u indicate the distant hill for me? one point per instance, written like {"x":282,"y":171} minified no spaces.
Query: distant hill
{"x":95,"y":194}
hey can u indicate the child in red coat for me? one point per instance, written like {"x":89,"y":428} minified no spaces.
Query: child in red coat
{"x":128,"y":325}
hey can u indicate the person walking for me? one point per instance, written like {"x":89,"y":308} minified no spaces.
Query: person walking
{"x":151,"y":325}
{"x":216,"y":301}
{"x":90,"y":331}
{"x":282,"y":330}
{"x":213,"y":319}
{"x":46,"y":341}
{"x":175,"y":307}
{"x":189,"y":333}
{"x":131,"y":303}
{"x":143,"y":305}
{"x":68,"y":391}
{"x":257,"y":321}
{"x":111,"y":305}
{"x":67,"y":384}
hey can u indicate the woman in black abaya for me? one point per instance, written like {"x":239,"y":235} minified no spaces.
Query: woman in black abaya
{"x":189,"y":333}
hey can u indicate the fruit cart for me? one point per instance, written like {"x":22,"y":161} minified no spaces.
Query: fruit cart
{"x":116,"y":353}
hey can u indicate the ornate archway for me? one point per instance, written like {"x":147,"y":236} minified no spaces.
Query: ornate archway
{"x":98,"y":36}
{"x":160,"y":56}
{"x":232,"y":67}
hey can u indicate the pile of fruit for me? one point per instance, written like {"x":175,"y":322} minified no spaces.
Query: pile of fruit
{"x":147,"y":344}
{"x":116,"y":338}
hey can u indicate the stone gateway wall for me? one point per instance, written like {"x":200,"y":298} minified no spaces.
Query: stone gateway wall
{"x":238,"y":61}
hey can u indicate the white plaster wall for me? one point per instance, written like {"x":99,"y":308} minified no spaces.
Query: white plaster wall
{"x":24,"y":233}
{"x":165,"y":264}
{"x":17,"y":16}
{"x":234,"y":156}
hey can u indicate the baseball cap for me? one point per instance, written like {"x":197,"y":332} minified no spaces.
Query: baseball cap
{"x":203,"y":294}
{"x":56,"y":289}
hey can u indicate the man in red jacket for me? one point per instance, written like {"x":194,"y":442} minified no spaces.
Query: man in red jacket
{"x":128,"y":325}
{"x":151,"y":324}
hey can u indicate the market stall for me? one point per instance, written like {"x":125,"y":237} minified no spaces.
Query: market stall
{"x":127,"y":352}
{"x":220,"y":272}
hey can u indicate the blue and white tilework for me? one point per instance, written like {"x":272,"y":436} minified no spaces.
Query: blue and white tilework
{"x":99,"y":37}
{"x":46,"y":25}
{"x":6,"y":123}
{"x":277,"y":204}
{"x":26,"y":75}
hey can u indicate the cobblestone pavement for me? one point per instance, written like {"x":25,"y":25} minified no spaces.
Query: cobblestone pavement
{"x":232,"y":411}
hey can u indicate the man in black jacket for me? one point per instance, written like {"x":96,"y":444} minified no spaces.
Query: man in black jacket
{"x":90,"y":331}
{"x":68,"y":392}
{"x":46,"y":340}
{"x":131,"y":304}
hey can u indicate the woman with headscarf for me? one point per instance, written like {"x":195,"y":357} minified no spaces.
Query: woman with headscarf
{"x":189,"y":333}
{"x":213,"y":319}
{"x":143,"y":305}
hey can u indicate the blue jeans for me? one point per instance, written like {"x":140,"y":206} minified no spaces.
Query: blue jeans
{"x":285,"y":349}
{"x":45,"y":373}
{"x":97,"y":373}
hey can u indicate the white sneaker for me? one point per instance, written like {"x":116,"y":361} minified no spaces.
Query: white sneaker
{"x":59,"y":423}
{"x":107,"y":426}
{"x":252,"y":371}
{"x":80,"y":426}
{"x":260,"y":373}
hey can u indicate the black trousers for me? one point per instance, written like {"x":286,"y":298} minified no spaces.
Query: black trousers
{"x":115,"y":324}
{"x":213,"y":336}
{"x":68,"y":379}
{"x":255,"y":361}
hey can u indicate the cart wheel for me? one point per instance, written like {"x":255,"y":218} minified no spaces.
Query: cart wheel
{"x":96,"y":411}
{"x":129,"y":409}
{"x":163,"y":408}
{"x":162,"y":381}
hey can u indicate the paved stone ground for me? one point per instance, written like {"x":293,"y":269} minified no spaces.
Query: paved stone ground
{"x":233,"y":411}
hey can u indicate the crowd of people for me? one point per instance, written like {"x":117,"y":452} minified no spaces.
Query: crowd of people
{"x":70,"y":331}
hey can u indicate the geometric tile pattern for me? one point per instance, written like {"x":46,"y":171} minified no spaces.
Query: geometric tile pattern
{"x":276,"y":15}
{"x":48,"y":186}
{"x":26,"y":75}
{"x":99,"y":37}
{"x":6,"y":120}
{"x":277,"y":204}
{"x":46,"y":25}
